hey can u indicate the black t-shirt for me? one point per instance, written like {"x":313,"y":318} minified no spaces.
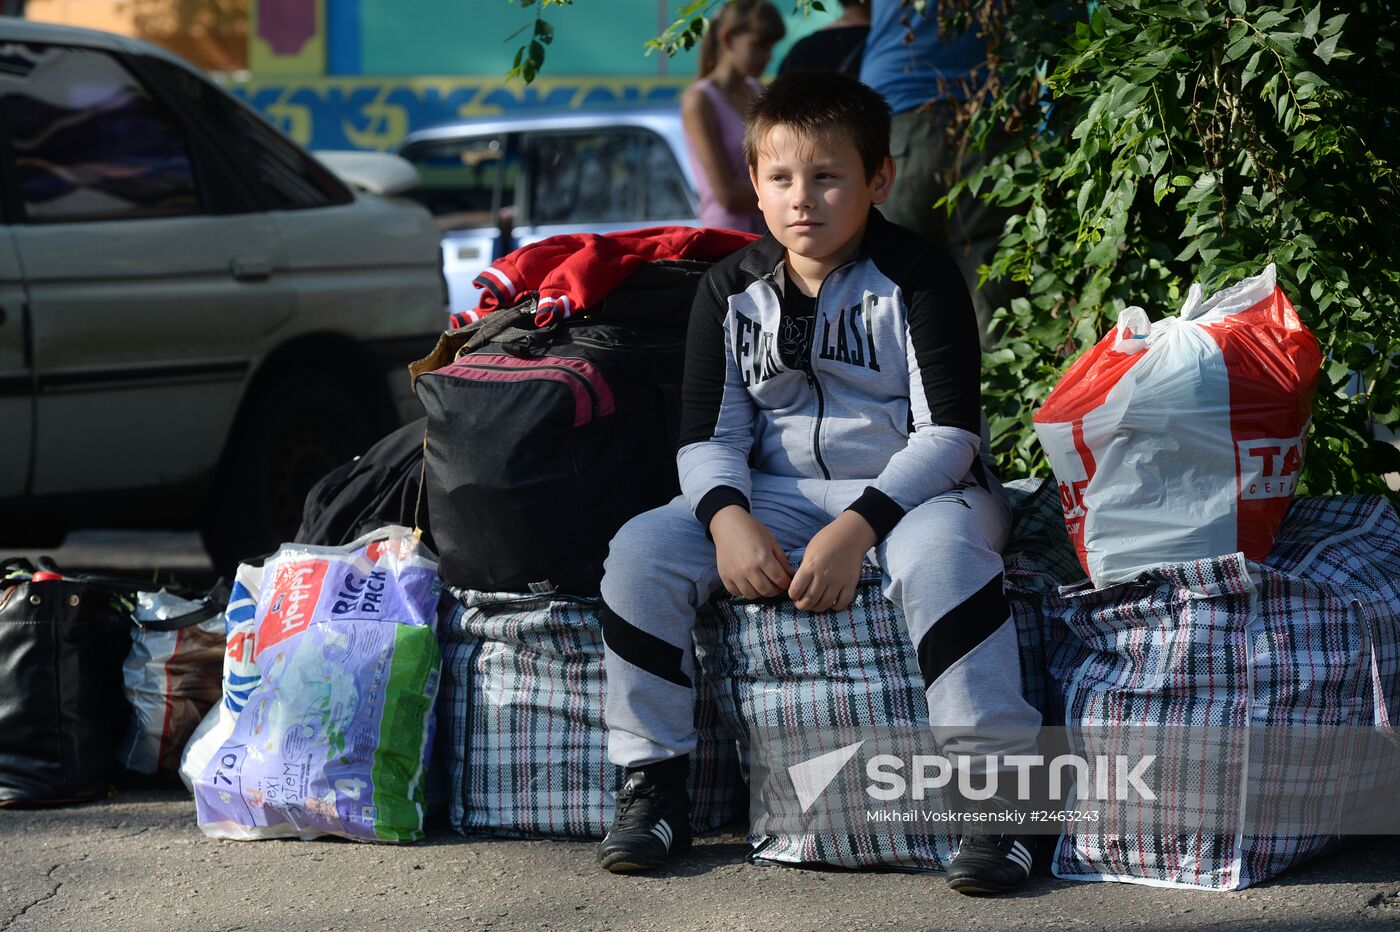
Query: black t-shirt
{"x":828,"y":50}
{"x":795,"y":329}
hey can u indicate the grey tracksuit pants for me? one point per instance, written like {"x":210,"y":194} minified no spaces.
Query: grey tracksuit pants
{"x":942,"y":566}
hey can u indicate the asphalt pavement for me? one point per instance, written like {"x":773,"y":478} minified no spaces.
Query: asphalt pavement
{"x":138,"y":861}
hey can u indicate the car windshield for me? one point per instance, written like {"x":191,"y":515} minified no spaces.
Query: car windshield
{"x":466,"y":183}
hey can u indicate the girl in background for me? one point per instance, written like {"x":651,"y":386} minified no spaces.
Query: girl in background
{"x":734,"y":52}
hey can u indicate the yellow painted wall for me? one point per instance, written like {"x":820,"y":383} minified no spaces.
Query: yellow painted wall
{"x":212,"y":34}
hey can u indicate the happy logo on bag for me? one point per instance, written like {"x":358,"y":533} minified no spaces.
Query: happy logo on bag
{"x":1269,"y":468}
{"x":296,"y":589}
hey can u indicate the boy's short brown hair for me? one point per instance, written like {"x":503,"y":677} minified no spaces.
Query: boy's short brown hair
{"x":822,"y":106}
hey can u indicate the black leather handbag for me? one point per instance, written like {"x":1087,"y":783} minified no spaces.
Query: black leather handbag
{"x":62,"y":642}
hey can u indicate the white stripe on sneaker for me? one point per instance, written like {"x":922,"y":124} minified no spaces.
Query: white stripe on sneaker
{"x":662,"y":830}
{"x":1019,"y":853}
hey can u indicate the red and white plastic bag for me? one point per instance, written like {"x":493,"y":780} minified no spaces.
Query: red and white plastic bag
{"x":1183,"y":439}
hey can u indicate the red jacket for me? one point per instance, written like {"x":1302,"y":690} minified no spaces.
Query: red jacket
{"x":574,"y":271}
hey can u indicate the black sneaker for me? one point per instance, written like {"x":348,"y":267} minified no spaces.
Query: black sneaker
{"x":991,"y":864}
{"x":652,"y":823}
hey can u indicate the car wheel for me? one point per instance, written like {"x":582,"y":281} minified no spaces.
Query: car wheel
{"x":294,"y":431}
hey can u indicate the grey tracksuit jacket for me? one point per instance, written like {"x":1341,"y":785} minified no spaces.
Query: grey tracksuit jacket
{"x":880,"y":383}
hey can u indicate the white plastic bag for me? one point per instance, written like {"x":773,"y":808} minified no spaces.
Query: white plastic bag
{"x":171,"y":676}
{"x":1183,"y":439}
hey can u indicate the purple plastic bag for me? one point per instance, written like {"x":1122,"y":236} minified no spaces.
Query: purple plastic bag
{"x":335,"y":737}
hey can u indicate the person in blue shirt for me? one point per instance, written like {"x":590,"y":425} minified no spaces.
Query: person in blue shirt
{"x":926,"y":77}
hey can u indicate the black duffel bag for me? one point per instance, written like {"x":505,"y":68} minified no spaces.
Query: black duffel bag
{"x":542,"y":443}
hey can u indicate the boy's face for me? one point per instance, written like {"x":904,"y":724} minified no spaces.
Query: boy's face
{"x":815,"y":197}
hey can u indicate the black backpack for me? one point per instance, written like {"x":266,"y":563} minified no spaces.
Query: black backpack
{"x":542,"y":443}
{"x":378,"y":488}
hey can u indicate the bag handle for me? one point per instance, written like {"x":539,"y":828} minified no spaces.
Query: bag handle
{"x":498,"y":322}
{"x":422,"y":481}
{"x":210,"y":605}
{"x":117,"y":583}
{"x":16,"y":564}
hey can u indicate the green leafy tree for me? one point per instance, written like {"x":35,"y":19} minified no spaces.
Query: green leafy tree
{"x":680,"y":35}
{"x":529,"y":57}
{"x":1159,"y":142}
{"x":1198,"y":141}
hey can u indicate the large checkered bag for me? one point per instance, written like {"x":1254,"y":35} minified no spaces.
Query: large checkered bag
{"x":1199,"y":662}
{"x":520,"y":722}
{"x":806,"y":679}
{"x":1039,"y":561}
{"x":822,"y":677}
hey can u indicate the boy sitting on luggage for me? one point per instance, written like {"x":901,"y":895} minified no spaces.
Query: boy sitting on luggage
{"x":831,"y":399}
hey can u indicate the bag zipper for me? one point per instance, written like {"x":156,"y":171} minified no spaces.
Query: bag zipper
{"x":595,"y":401}
{"x":587,"y":386}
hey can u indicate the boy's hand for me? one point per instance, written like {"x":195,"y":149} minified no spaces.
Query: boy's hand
{"x":826,"y":580}
{"x":751,"y":564}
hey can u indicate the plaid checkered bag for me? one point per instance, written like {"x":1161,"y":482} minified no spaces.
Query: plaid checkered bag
{"x":1213,"y":656}
{"x":521,"y":722}
{"x":1039,"y":560}
{"x":799,"y":674}
{"x":820,"y":674}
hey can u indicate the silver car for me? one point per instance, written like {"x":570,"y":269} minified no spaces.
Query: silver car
{"x":197,"y":319}
{"x":497,"y":183}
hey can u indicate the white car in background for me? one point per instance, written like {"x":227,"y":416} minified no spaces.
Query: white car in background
{"x":197,"y":319}
{"x":496,"y":183}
